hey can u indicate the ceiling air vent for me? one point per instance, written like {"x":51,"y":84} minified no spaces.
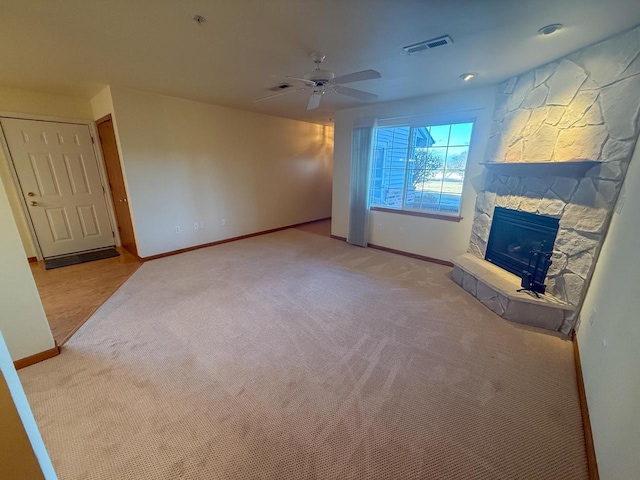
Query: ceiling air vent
{"x":428,"y":44}
{"x":282,"y":86}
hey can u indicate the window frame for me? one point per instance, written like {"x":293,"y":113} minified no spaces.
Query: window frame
{"x":417,"y":122}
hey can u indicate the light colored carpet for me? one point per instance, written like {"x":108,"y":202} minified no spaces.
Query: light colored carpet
{"x":295,"y":356}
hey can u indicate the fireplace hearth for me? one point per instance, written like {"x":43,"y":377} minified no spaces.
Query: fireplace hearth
{"x":522,"y":243}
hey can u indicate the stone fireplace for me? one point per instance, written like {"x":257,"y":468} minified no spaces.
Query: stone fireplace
{"x":560,"y":145}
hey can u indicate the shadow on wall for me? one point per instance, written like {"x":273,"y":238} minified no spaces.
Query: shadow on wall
{"x":318,"y":154}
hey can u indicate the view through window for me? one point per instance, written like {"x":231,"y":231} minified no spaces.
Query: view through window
{"x":420,"y":168}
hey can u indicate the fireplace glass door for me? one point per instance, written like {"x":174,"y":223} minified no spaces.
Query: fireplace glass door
{"x":515,"y":237}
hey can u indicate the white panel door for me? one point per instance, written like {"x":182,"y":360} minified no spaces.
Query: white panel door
{"x":59,"y":177}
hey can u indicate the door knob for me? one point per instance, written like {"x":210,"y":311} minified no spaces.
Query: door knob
{"x":34,"y":204}
{"x":31,"y":194}
{"x":123,"y":200}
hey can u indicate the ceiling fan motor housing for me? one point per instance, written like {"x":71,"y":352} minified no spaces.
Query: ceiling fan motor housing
{"x":320,"y":77}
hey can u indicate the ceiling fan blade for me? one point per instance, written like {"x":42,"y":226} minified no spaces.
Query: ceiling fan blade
{"x":352,"y":92}
{"x":314,"y":100}
{"x":284,"y":92}
{"x":357,"y":77}
{"x":308,"y":82}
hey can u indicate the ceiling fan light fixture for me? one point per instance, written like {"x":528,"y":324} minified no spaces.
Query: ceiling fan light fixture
{"x":467,"y":76}
{"x":549,"y":29}
{"x":317,"y":57}
{"x":320,"y":80}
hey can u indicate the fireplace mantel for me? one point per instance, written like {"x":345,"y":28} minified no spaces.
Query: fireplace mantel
{"x":572,"y":168}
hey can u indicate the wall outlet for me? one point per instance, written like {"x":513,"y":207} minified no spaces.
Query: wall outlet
{"x":201,"y":224}
{"x":378,"y":226}
{"x":223,"y":221}
{"x":178,"y":229}
{"x":401,"y":231}
{"x":196,"y":225}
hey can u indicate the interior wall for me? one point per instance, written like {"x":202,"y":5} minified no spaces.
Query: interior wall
{"x":434,"y":238}
{"x":187,"y":162}
{"x":26,"y":101}
{"x":102,"y":104}
{"x":608,"y":338}
{"x":13,"y":100}
{"x":22,"y":319}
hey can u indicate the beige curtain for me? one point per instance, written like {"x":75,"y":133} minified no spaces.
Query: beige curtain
{"x":362,"y":139}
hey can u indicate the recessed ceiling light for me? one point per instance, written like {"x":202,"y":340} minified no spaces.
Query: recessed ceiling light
{"x":199,"y":19}
{"x":467,"y":76}
{"x":549,"y":29}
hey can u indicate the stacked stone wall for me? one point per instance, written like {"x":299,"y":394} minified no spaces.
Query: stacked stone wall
{"x":585,"y":106}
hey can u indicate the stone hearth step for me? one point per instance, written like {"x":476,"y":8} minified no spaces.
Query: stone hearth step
{"x":497,"y":290}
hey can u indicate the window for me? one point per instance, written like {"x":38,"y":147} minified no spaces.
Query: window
{"x":420,"y":168}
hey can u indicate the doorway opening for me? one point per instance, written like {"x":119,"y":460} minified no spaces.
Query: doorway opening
{"x":65,"y":190}
{"x":117,"y":187}
{"x":59,"y":179}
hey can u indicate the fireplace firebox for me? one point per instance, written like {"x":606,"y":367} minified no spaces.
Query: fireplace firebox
{"x":522,"y":243}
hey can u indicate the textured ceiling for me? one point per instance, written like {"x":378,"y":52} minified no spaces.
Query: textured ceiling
{"x":78,"y":46}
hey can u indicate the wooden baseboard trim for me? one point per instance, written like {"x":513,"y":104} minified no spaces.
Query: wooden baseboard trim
{"x":411,"y":255}
{"x":402,"y":252}
{"x":228,"y":240}
{"x":38,"y":357}
{"x":586,"y":422}
{"x":32,"y":259}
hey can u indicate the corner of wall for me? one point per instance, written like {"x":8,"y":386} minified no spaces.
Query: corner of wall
{"x":608,"y":333}
{"x":102,"y":103}
{"x":14,"y":201}
{"x":23,"y":322}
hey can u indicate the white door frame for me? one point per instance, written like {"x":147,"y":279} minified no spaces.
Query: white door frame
{"x":97,"y":149}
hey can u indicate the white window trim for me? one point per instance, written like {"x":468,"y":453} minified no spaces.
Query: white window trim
{"x":431,"y":120}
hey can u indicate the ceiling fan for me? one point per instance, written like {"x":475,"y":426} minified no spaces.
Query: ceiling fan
{"x":320,"y":80}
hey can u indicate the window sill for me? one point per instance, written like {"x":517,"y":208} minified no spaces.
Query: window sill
{"x":413,"y":213}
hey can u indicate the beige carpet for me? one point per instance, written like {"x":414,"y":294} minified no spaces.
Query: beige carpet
{"x":295,"y":356}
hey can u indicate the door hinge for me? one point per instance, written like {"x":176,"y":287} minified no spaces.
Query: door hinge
{"x":103,"y":190}
{"x":93,"y":140}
